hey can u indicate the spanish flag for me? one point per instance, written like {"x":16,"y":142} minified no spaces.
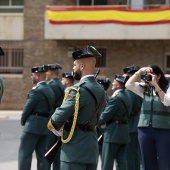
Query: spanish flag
{"x":103,"y":15}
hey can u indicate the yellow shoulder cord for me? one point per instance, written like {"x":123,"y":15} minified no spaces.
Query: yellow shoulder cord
{"x":75,"y":115}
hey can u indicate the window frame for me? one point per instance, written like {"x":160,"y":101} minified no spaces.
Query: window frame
{"x":14,"y":61}
{"x":166,"y":63}
{"x":10,"y":6}
{"x":92,"y":3}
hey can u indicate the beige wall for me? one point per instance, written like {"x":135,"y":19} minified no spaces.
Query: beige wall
{"x":12,"y":27}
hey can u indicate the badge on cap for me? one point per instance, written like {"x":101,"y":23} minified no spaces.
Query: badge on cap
{"x":104,"y":81}
{"x":52,"y":66}
{"x":67,"y":74}
{"x":38,"y":69}
{"x":130,"y":69}
{"x":121,"y":79}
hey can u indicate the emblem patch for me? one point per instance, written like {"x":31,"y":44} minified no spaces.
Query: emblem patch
{"x":69,"y":96}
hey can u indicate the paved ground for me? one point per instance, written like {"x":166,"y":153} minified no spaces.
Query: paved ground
{"x":10,"y":131}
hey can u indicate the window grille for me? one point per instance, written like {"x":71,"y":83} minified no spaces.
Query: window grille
{"x":91,"y":2}
{"x":101,"y":61}
{"x":12,"y":62}
{"x":11,"y":6}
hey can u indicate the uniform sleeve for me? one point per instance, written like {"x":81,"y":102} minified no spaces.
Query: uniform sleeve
{"x":64,"y":112}
{"x":29,"y":106}
{"x":109,"y":112}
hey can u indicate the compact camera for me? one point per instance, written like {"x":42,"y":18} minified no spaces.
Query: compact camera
{"x":146,"y":77}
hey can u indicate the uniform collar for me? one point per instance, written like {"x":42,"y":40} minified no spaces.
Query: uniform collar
{"x":40,"y":82}
{"x":91,"y":75}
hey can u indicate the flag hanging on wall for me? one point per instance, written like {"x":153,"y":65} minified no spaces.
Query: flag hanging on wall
{"x":103,"y":15}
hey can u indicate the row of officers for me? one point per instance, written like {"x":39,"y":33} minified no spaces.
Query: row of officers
{"x":133,"y":124}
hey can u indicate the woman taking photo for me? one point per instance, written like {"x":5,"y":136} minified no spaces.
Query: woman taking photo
{"x":154,"y":122}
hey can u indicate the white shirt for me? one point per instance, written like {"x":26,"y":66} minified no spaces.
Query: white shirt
{"x":87,"y":76}
{"x":138,"y":89}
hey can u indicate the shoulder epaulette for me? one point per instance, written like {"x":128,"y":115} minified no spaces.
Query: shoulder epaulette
{"x":80,"y":84}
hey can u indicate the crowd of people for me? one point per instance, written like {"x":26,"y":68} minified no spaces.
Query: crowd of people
{"x":129,"y":129}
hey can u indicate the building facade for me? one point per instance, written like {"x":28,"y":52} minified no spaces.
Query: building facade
{"x":28,"y":40}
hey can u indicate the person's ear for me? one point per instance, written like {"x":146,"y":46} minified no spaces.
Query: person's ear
{"x":82,"y":66}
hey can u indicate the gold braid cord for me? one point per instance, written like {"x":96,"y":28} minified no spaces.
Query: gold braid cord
{"x":75,"y":115}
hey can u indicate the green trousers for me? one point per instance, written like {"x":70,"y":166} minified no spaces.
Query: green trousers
{"x":114,"y":152}
{"x":29,"y":143}
{"x":133,"y":153}
{"x":76,"y":166}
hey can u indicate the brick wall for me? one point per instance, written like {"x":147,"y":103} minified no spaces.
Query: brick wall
{"x":38,"y":51}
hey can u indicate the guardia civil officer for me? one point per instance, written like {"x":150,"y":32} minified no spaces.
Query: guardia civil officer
{"x":105,"y":83}
{"x":116,"y":134}
{"x":133,"y":149}
{"x":52,"y":78}
{"x":67,"y":80}
{"x":34,"y":119}
{"x":79,"y":114}
{"x":1,"y":81}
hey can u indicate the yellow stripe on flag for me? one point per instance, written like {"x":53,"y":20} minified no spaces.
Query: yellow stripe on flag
{"x":104,"y":15}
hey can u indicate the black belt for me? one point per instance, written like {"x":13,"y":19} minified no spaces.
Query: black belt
{"x":41,"y":114}
{"x":134,"y":114}
{"x":118,"y":121}
{"x":92,"y":128}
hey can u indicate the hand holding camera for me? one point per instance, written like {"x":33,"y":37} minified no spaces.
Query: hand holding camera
{"x":146,"y":77}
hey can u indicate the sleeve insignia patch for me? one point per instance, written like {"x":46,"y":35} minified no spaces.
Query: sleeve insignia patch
{"x":69,"y":96}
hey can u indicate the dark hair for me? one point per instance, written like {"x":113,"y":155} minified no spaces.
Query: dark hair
{"x":163,"y":82}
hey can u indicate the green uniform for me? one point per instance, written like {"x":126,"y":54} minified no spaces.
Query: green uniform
{"x":100,"y":130}
{"x":1,"y":89}
{"x":133,"y":149}
{"x":82,"y":150}
{"x":34,"y":119}
{"x":58,"y":90}
{"x":116,"y":135}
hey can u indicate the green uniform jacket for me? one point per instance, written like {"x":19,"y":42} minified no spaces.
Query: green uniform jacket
{"x":58,"y":90}
{"x":99,"y":129}
{"x":115,"y":110}
{"x":37,"y":103}
{"x":136,"y":108}
{"x":154,"y":113}
{"x":83,"y":147}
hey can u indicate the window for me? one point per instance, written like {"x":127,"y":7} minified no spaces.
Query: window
{"x":12,"y":62}
{"x":167,"y":63}
{"x":91,"y":2}
{"x":101,"y":61}
{"x":11,"y":6}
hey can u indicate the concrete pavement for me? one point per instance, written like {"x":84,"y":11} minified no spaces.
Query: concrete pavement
{"x":13,"y":164}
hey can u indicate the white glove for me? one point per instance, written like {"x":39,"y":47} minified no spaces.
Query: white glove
{"x":56,"y":132}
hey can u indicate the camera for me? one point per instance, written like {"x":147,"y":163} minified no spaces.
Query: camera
{"x":146,"y":77}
